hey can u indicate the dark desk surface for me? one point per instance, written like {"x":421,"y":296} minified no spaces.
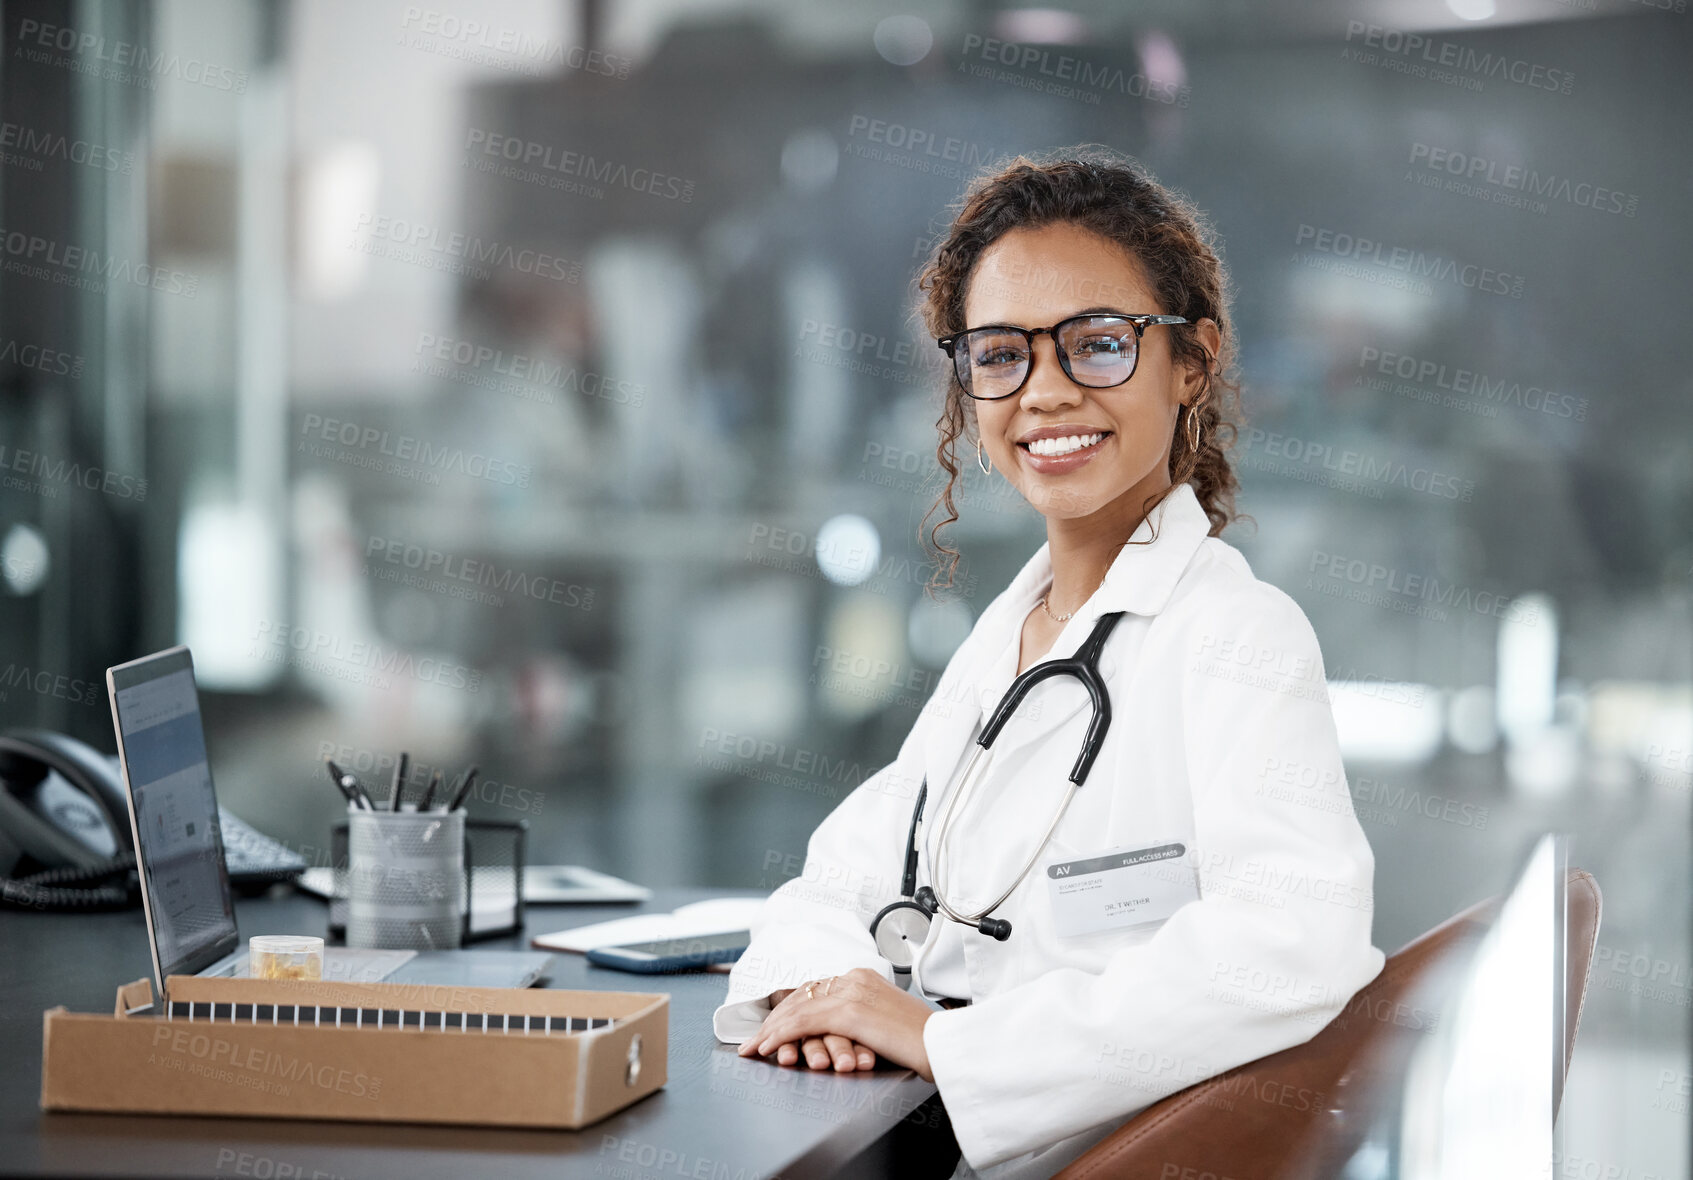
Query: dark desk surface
{"x":719,"y":1115}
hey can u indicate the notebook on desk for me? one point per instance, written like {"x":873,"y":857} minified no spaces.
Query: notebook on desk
{"x":714,"y":915}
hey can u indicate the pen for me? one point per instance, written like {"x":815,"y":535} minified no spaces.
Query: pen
{"x":429,"y":792}
{"x":357,"y":791}
{"x":342,"y":781}
{"x":400,"y":768}
{"x":464,"y":789}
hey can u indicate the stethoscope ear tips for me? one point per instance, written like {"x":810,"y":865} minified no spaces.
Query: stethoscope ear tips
{"x":925,"y":897}
{"x":996,"y":928}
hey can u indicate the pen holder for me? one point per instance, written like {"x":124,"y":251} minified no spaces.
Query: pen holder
{"x":405,"y":880}
{"x":493,"y":872}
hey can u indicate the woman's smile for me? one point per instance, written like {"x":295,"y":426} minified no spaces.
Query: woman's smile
{"x":1057,"y":454}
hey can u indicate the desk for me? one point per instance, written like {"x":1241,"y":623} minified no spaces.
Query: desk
{"x":719,"y":1116}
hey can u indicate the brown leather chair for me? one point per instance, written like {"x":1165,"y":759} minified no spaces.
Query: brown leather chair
{"x":1303,"y":1111}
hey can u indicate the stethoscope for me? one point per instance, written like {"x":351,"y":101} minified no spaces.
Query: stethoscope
{"x":902,"y":927}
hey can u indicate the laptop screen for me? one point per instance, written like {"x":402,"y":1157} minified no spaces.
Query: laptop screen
{"x":173,"y":812}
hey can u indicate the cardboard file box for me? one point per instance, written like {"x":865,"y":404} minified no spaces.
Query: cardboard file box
{"x":400,"y":1053}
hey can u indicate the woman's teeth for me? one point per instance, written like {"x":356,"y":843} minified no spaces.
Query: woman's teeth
{"x":1052,"y":447}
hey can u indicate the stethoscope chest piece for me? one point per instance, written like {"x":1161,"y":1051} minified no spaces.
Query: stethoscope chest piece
{"x":899,"y":930}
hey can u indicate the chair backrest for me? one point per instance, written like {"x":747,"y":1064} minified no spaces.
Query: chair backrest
{"x":1312,"y":1102}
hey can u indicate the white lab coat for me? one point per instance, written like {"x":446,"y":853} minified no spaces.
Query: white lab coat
{"x":1222,"y":738}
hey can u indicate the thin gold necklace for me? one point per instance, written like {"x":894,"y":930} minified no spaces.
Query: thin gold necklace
{"x":1072,"y":614}
{"x":1065,"y":618}
{"x":1050,"y":615}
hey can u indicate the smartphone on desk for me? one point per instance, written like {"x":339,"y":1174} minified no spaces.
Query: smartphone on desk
{"x":673,"y":954}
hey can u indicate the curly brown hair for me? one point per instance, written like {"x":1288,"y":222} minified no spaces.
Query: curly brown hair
{"x":1174,"y":243}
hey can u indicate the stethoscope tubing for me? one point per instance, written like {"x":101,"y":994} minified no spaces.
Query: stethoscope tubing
{"x":1084,"y":666}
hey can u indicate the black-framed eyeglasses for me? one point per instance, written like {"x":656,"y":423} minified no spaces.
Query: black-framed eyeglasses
{"x":1098,"y":350}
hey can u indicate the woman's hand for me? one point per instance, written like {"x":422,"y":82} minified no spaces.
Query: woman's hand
{"x":821,"y":1052}
{"x":854,"y":1012}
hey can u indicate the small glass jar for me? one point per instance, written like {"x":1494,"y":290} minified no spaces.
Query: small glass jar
{"x":284,"y":956}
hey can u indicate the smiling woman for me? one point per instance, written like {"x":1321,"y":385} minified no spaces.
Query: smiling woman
{"x":1085,"y":314}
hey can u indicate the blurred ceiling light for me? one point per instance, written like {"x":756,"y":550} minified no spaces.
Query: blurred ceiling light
{"x":1049,"y":26}
{"x":337,"y":186}
{"x":1470,"y":721}
{"x":1386,"y":721}
{"x":1162,"y":62}
{"x":848,"y":548}
{"x":1331,"y":298}
{"x":903,"y":40}
{"x":809,"y":160}
{"x":229,"y":581}
{"x":1472,"y":9}
{"x":1527,"y":666}
{"x":23,"y":560}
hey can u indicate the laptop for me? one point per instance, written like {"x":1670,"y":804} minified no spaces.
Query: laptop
{"x":179,"y":848}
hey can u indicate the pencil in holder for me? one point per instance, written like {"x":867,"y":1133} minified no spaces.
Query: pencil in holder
{"x":406,"y":880}
{"x":493,"y":877}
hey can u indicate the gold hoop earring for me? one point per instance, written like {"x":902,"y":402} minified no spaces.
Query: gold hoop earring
{"x":1193,"y":434}
{"x":981,"y":460}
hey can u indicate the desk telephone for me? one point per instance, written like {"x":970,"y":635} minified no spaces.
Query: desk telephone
{"x":65,"y":840}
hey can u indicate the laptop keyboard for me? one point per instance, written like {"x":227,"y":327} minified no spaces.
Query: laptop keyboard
{"x":253,"y":857}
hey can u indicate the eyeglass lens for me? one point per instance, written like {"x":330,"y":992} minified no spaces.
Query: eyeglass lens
{"x":1096,"y":351}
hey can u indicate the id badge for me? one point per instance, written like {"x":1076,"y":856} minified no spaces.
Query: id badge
{"x":1121,"y":888}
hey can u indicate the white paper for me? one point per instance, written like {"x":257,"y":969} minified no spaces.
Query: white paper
{"x":714,"y":915}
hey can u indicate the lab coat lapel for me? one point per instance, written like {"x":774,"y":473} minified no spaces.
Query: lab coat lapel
{"x":1139,"y":582}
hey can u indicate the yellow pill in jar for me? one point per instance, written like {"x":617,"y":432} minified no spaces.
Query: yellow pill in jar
{"x":284,"y":956}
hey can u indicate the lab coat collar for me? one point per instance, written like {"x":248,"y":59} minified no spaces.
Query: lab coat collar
{"x":1140,"y":580}
{"x":1141,"y":577}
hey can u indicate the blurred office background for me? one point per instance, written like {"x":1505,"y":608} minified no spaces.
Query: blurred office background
{"x":534,"y":383}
